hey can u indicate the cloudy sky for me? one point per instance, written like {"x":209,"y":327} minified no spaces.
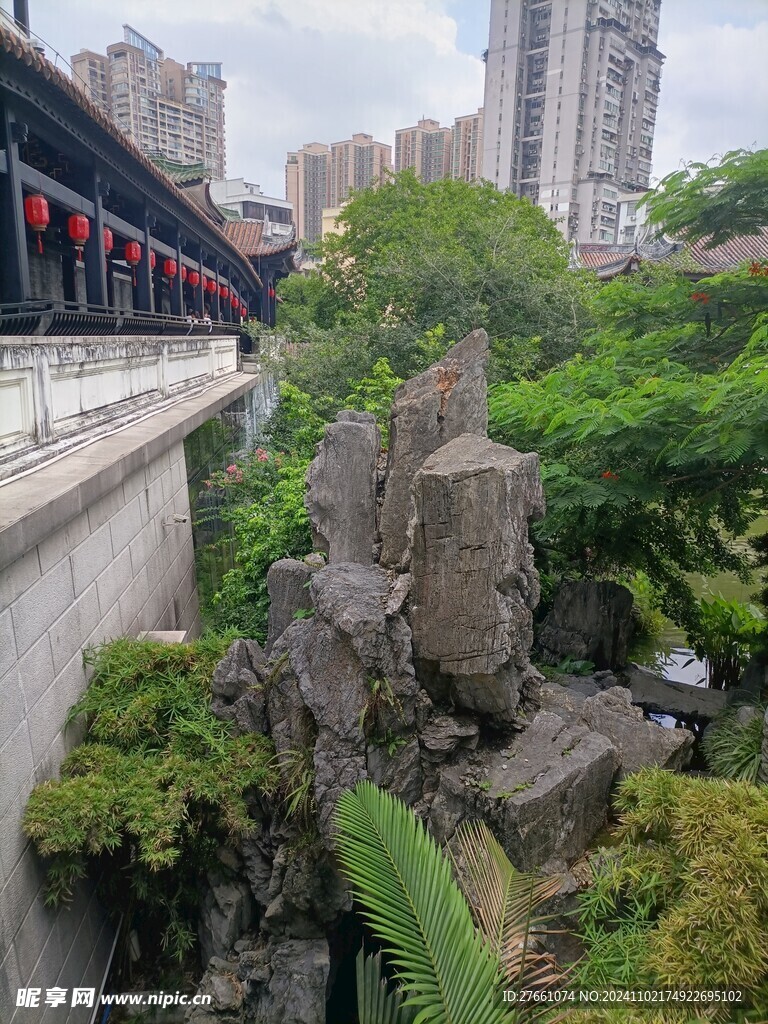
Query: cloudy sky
{"x":319,"y":70}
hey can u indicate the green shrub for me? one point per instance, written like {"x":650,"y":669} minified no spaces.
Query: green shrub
{"x":156,"y":786}
{"x":727,"y":632}
{"x":733,"y":750}
{"x":682,"y":901}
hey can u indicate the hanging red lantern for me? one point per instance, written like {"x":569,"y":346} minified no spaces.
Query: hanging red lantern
{"x":194,"y":278}
{"x":169,"y":269}
{"x":211,"y":286}
{"x":183,"y":273}
{"x":271,"y":292}
{"x":152,"y":259}
{"x":79,"y":231}
{"x":38,"y":217}
{"x":109,"y":241}
{"x":234,"y":300}
{"x":223,"y":291}
{"x":243,"y":311}
{"x":132,"y":257}
{"x":205,"y":283}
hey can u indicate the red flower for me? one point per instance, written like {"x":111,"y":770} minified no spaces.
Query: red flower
{"x":700,"y":297}
{"x":608,"y":475}
{"x":755,"y":268}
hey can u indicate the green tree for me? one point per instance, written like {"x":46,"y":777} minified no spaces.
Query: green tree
{"x":156,"y":786}
{"x":654,"y":450}
{"x":463,"y":255}
{"x":716,"y":200}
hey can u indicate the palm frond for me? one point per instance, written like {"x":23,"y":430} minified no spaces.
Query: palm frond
{"x":503,"y":901}
{"x":412,"y":903}
{"x":376,"y":1002}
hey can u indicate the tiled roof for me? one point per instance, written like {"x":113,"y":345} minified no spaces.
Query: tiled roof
{"x":178,"y":172}
{"x":26,"y":54}
{"x":247,"y":235}
{"x":692,"y":257}
{"x":731,"y":253}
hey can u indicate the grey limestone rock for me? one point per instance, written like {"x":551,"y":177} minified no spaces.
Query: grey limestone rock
{"x":639,"y":742}
{"x":447,"y":399}
{"x":349,"y":668}
{"x":226,"y":912}
{"x":238,"y":693}
{"x":473,"y":584}
{"x":288,"y":586}
{"x":286,"y":981}
{"x":341,"y":488}
{"x":589,"y":621}
{"x":544,"y":798}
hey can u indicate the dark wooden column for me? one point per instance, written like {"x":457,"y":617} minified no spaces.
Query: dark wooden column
{"x":177,"y":287}
{"x":15,"y":260}
{"x":143,"y":290}
{"x":216,"y":303}
{"x":93,"y":252}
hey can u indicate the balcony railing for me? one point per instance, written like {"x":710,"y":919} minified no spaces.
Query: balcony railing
{"x":53,"y":317}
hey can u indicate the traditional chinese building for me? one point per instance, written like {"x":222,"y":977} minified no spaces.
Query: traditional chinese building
{"x":694,"y":259}
{"x":98,"y":237}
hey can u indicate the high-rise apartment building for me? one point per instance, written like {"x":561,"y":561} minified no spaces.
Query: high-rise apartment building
{"x":427,"y":148}
{"x":467,"y":158}
{"x":307,"y":188}
{"x":166,"y":107}
{"x":571,"y":90}
{"x":356,"y":163}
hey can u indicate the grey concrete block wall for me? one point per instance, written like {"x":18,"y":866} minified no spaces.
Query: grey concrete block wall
{"x":114,"y":569}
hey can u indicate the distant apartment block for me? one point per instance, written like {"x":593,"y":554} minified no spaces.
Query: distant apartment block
{"x":571,"y":92}
{"x":356,"y":163}
{"x":467,"y":140}
{"x":249,"y":203}
{"x":166,"y":107}
{"x":307,"y":188}
{"x":427,"y":148}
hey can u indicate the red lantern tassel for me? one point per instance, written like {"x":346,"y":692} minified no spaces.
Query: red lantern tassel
{"x":40,"y":242}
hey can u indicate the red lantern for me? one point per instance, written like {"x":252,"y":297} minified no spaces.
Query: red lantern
{"x":109,"y":242}
{"x":234,"y":300}
{"x":223,"y":291}
{"x":152,"y":259}
{"x":194,"y":278}
{"x":132,"y":257}
{"x":205,"y":283}
{"x":38,"y":217}
{"x":183,"y":273}
{"x":79,"y":231}
{"x":169,"y":269}
{"x":211,"y":286}
{"x":243,"y":311}
{"x":271,"y":292}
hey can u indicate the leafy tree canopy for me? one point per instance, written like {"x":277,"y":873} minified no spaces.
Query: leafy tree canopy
{"x":716,"y":201}
{"x":655,"y":449}
{"x":412,"y":256}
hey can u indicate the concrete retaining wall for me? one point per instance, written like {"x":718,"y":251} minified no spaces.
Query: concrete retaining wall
{"x":112,"y":569}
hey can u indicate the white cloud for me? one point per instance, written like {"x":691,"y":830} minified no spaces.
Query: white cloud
{"x":714,"y":94}
{"x":297,"y":70}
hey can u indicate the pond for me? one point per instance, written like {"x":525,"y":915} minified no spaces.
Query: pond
{"x":668,"y":653}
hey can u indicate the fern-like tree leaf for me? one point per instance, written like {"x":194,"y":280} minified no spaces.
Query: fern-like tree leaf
{"x":412,"y":903}
{"x":376,"y":1002}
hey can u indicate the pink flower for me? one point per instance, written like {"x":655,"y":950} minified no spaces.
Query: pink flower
{"x":231,"y":469}
{"x":262,"y":455}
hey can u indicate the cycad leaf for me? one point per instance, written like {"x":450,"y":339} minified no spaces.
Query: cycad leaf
{"x":413,"y":904}
{"x":376,"y":1003}
{"x":503,"y":900}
